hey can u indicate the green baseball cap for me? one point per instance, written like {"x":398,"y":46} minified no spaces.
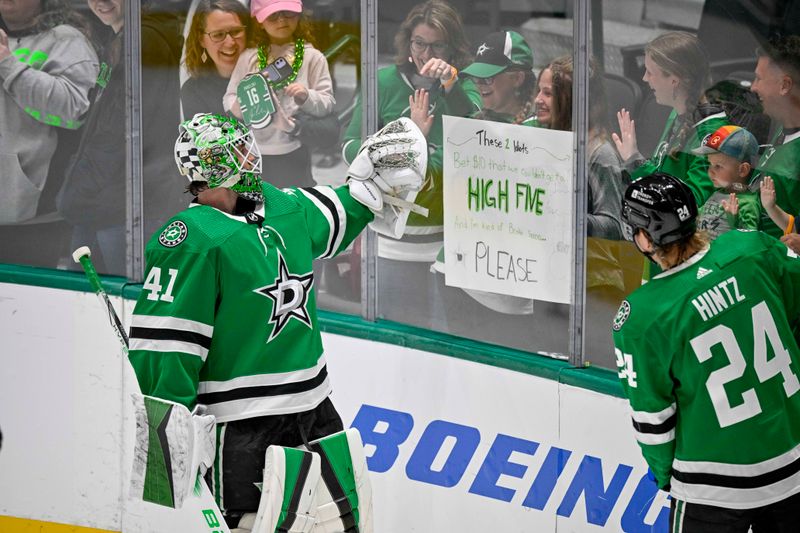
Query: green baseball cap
{"x":497,"y":52}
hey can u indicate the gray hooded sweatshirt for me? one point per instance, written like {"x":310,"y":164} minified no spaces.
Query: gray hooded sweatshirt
{"x":46,"y":82}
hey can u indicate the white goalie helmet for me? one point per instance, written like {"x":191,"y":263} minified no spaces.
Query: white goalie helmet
{"x":387,"y":174}
{"x":220,"y":151}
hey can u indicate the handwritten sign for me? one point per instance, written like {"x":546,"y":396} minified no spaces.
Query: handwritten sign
{"x":508,"y":209}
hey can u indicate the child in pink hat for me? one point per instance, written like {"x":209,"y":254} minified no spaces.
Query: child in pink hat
{"x":307,"y":90}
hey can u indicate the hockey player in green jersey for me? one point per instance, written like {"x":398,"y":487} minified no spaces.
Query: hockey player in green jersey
{"x":706,"y":356}
{"x":227,"y":315}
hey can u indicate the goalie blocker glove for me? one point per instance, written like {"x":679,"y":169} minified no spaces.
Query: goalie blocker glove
{"x":387,"y":174}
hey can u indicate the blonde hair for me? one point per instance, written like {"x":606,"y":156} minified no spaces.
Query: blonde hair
{"x":675,"y":253}
{"x":682,"y":55}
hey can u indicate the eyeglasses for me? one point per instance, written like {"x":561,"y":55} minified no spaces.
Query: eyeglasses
{"x":484,"y":81}
{"x":439,"y":48}
{"x":220,"y":35}
{"x":286,"y":15}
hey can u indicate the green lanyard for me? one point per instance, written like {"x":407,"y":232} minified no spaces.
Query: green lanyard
{"x":299,"y":48}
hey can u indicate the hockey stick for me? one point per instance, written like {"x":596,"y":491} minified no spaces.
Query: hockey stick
{"x":84,"y":256}
{"x":207,"y":505}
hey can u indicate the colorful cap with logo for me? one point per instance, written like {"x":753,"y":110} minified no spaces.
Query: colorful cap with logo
{"x":730,"y":140}
{"x":261,"y":9}
{"x":499,"y":51}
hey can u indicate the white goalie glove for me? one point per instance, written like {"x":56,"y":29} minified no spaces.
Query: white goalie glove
{"x":387,"y":174}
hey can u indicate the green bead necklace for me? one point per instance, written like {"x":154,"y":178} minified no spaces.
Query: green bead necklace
{"x":299,"y":48}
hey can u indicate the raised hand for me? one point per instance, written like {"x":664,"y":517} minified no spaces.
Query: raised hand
{"x":419,"y":106}
{"x":768,"y":192}
{"x":792,"y":240}
{"x":5,"y":51}
{"x":626,"y":140}
{"x":731,"y":205}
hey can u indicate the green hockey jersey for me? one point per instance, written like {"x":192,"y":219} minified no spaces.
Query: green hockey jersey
{"x":707,"y":358}
{"x":782,"y":162}
{"x":227,"y":314}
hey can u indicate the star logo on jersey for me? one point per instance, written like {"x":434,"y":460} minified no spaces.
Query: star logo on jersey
{"x":622,"y":315}
{"x":482,"y":49}
{"x":289,"y":295}
{"x":174,"y":234}
{"x":703,"y":272}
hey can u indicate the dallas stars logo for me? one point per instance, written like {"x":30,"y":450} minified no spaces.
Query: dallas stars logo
{"x":289,"y":295}
{"x":482,"y":49}
{"x":174,"y":234}
{"x":622,"y":315}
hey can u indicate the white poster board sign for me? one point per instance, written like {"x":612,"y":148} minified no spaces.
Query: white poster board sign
{"x":508,"y":209}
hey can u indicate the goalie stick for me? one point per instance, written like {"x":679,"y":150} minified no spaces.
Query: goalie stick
{"x":211,"y":520}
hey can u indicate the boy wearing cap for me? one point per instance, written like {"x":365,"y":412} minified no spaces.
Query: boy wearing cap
{"x":732,"y":152}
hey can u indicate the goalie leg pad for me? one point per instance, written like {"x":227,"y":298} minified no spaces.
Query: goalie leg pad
{"x":172,"y":449}
{"x":288,"y":494}
{"x":344,"y":493}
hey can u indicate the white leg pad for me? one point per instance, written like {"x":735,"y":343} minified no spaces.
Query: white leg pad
{"x":288,"y":495}
{"x":344,"y":493}
{"x":172,"y":447}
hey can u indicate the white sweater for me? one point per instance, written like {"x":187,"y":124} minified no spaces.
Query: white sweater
{"x":314,"y":74}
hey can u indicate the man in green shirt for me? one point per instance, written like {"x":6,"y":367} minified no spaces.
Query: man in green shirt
{"x":777,"y":84}
{"x":707,"y":359}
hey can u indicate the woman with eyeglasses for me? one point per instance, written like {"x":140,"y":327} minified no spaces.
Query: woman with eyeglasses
{"x":217,"y":37}
{"x":284,"y":33}
{"x":422,"y":84}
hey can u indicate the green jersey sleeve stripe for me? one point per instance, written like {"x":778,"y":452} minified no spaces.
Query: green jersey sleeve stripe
{"x":159,"y":345}
{"x":325,"y":200}
{"x":168,"y":322}
{"x":644,"y":417}
{"x":655,"y":439}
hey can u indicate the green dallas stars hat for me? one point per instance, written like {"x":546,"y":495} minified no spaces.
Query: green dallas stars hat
{"x":497,"y":52}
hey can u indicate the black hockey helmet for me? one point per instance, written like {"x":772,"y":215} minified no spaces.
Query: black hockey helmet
{"x":660,"y":204}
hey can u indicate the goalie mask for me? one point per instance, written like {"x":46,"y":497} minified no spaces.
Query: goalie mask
{"x":221,"y":152}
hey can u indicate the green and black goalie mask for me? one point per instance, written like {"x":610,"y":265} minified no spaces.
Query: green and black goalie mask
{"x":221,"y":152}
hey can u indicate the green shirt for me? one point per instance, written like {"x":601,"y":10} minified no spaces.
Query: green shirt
{"x":227,"y":315}
{"x":706,"y":356}
{"x":782,"y":162}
